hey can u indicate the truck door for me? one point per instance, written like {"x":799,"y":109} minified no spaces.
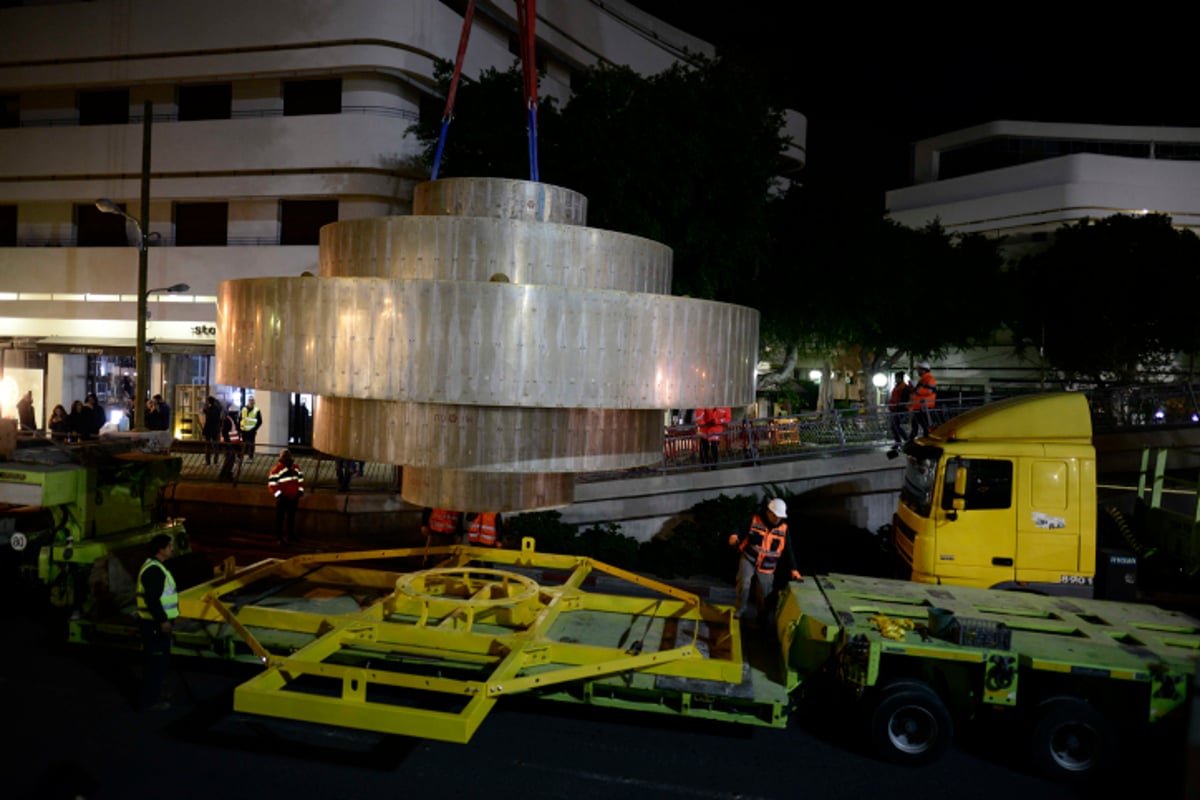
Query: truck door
{"x":1050,"y":521}
{"x":976,"y":538}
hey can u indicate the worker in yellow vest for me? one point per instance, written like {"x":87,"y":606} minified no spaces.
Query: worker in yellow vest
{"x":157,"y":608}
{"x":249,"y":422}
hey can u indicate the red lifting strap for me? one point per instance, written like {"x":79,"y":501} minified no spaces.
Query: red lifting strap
{"x":458,"y":62}
{"x":526,"y":17}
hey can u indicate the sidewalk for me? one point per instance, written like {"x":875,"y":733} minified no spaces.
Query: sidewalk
{"x":320,"y":471}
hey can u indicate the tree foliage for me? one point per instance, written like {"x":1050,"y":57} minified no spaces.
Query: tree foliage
{"x":685,"y":157}
{"x":849,"y":281}
{"x":1111,"y":299}
{"x":688,"y":158}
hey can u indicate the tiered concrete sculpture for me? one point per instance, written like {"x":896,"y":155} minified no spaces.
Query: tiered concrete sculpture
{"x":490,"y":343}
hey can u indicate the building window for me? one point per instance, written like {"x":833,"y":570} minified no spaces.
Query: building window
{"x":201,"y":224}
{"x":8,"y":226}
{"x":205,"y":102}
{"x":10,"y":110}
{"x":97,"y":229}
{"x":312,"y":97}
{"x":301,"y":220}
{"x":104,"y":107}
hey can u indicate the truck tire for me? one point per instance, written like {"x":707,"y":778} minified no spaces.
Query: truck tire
{"x":1072,"y":741}
{"x":909,"y":724}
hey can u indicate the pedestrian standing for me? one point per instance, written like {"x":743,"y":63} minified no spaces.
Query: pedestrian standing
{"x":95,"y":414}
{"x":25,"y":413}
{"x":165,"y":412}
{"x":898,"y":402}
{"x":441,"y":526}
{"x":760,"y":547}
{"x":249,"y":421}
{"x":211,"y":427}
{"x":485,"y":529}
{"x":232,"y":441}
{"x":924,"y":398}
{"x":157,"y":606}
{"x":710,"y":425}
{"x":344,"y":471}
{"x":286,"y":484}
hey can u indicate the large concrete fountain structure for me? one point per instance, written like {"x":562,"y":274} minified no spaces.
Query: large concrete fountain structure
{"x":490,"y":343}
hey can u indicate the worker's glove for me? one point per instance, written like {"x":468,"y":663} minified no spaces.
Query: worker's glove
{"x":277,"y":493}
{"x":796,"y":576}
{"x":733,"y":540}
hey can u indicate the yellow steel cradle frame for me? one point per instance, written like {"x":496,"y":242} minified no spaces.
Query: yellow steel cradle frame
{"x":429,"y":652}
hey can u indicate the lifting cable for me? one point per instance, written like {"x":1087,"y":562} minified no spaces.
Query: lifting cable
{"x":447,"y":115}
{"x":526,"y":16}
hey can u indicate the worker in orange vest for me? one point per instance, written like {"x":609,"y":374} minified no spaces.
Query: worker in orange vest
{"x":924,"y":397}
{"x":441,"y":526}
{"x":898,"y":402}
{"x":710,"y":424}
{"x":761,"y":547}
{"x":485,"y":529}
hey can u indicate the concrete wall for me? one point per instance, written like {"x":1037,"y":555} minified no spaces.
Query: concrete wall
{"x":860,"y":490}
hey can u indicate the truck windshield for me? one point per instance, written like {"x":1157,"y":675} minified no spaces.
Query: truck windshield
{"x":919,"y":474}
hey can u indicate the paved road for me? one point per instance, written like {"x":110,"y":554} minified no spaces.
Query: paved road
{"x":70,"y":726}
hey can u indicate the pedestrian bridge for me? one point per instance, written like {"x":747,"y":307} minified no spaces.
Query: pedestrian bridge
{"x":836,"y":462}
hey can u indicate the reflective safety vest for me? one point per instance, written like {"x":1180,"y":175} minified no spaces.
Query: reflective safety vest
{"x":250,"y":418}
{"x":170,"y":597}
{"x":443,"y":521}
{"x":764,"y":544}
{"x":710,"y":422}
{"x":924,"y":393}
{"x":287,"y":481}
{"x":483,"y":530}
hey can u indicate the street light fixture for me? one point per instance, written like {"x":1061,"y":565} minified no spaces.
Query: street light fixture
{"x":107,"y":206}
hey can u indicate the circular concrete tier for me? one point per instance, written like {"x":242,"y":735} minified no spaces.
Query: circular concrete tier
{"x":487,"y":491}
{"x":499,"y":198}
{"x":478,"y":249}
{"x":492,"y":344}
{"x":487,"y":438}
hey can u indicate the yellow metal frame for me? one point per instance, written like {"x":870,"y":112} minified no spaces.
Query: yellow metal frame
{"x":460,"y":635}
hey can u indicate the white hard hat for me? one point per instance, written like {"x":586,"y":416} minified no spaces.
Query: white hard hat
{"x":778,"y":508}
{"x":922,"y":365}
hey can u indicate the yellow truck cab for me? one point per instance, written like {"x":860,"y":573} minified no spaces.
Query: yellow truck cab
{"x":1003,"y":496}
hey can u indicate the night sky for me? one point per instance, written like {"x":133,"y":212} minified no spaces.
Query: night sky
{"x":872,"y":82}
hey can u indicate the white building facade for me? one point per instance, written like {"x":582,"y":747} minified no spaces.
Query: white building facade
{"x":270,"y":118}
{"x":1024,"y":180}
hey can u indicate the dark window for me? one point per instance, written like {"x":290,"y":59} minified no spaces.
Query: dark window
{"x":97,"y":229}
{"x":104,"y":107}
{"x":10,"y":110}
{"x":8,"y":226}
{"x":301,"y":220}
{"x":312,"y":97}
{"x":200,"y":224}
{"x":989,"y":483}
{"x":205,"y":102}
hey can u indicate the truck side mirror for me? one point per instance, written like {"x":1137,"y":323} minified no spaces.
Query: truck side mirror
{"x":960,"y":486}
{"x":958,"y":500}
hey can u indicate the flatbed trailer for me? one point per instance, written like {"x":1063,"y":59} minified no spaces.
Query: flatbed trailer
{"x":377,"y":641}
{"x":1075,"y":673}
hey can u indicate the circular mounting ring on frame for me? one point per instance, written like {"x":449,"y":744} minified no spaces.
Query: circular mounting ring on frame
{"x":459,"y":595}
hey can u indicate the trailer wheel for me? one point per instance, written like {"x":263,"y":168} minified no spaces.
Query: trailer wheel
{"x":1072,"y":741}
{"x":909,"y":724}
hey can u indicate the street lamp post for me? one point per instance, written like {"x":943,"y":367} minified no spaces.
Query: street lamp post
{"x":108,"y":207}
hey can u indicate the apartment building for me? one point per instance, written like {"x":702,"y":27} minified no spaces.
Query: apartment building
{"x":1024,"y":180}
{"x":270,"y":118}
